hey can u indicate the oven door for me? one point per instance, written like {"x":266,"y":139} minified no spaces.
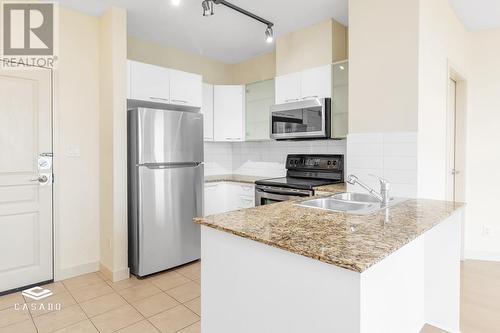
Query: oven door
{"x":305,"y":119}
{"x":265,"y":195}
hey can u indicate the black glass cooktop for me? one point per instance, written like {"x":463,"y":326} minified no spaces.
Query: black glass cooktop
{"x":294,"y":182}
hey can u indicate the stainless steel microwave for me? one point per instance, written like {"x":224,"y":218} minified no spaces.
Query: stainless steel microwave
{"x":306,"y":119}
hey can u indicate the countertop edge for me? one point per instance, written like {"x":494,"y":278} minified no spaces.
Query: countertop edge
{"x":351,"y":267}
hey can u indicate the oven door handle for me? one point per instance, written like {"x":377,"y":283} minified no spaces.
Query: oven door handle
{"x":284,"y":191}
{"x":273,"y":196}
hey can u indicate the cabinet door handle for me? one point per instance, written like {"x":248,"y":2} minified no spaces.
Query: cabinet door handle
{"x":159,"y":98}
{"x":179,"y":101}
{"x":291,"y":100}
{"x":233,"y":138}
{"x":308,"y":97}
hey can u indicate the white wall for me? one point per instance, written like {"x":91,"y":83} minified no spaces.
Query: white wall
{"x":266,"y":158}
{"x":483,"y":152}
{"x":76,"y":212}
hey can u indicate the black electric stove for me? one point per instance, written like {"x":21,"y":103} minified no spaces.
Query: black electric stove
{"x":304,"y":173}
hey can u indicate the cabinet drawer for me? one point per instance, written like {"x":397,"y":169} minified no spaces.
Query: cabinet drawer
{"x":246,"y":202}
{"x":247,"y":189}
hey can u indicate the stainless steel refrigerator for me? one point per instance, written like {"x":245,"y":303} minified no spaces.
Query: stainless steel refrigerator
{"x":165,"y":187}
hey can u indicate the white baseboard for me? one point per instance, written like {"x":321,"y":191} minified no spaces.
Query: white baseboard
{"x":66,"y":273}
{"x":115,"y":276}
{"x":482,"y":255}
{"x":121,"y":274}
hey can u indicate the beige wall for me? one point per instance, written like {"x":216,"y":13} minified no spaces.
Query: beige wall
{"x":443,"y":41}
{"x":260,"y":68}
{"x":483,"y":153}
{"x":77,"y":126}
{"x":294,"y":52}
{"x":383,"y":65}
{"x":213,"y":71}
{"x":113,"y":139}
{"x":319,"y":44}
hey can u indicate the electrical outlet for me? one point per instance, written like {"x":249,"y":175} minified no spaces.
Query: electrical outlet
{"x":487,"y":230}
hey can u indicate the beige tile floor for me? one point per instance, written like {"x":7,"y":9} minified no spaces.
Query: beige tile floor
{"x":166,"y":302}
{"x":170,"y":302}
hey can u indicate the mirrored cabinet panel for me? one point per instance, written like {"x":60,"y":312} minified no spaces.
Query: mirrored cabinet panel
{"x":340,"y":96}
{"x":259,"y":98}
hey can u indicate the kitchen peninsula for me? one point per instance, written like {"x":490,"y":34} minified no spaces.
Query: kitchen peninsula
{"x":288,"y":268}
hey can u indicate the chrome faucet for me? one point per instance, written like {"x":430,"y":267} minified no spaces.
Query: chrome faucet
{"x":383,"y":196}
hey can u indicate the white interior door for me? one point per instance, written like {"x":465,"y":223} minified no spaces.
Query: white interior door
{"x":25,"y":178}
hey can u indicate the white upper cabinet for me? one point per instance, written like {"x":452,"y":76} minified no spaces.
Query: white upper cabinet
{"x":149,"y":83}
{"x":310,"y":83}
{"x":229,"y":112}
{"x":185,"y":88}
{"x":316,"y":82}
{"x":162,"y":85}
{"x":288,"y":88}
{"x":207,"y":108}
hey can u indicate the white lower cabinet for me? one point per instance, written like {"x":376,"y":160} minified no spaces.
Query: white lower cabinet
{"x":214,"y":194}
{"x":221,"y":197}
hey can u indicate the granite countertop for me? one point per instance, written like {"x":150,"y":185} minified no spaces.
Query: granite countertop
{"x":353,"y":242}
{"x":334,"y":188}
{"x":233,"y":178}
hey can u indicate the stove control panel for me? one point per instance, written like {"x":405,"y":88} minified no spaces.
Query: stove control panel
{"x":315,"y":162}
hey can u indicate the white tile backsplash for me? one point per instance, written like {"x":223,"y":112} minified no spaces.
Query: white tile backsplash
{"x":266,"y":158}
{"x":218,"y":158}
{"x":389,"y":155}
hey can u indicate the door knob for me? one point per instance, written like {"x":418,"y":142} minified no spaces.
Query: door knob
{"x":40,"y":179}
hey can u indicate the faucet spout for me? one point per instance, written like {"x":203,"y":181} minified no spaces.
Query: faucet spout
{"x":383,"y":196}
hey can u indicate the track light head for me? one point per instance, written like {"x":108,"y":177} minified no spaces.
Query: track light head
{"x":269,"y":34}
{"x":208,"y":7}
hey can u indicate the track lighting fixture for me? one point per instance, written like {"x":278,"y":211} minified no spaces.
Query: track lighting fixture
{"x":208,"y":10}
{"x":269,"y":34}
{"x":208,"y":7}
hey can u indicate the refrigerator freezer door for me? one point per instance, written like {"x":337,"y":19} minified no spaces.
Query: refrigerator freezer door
{"x":169,"y":198}
{"x":166,"y":136}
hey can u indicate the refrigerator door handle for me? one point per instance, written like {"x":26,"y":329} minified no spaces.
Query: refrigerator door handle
{"x":171,"y":165}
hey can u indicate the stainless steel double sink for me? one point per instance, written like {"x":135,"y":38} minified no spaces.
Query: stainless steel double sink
{"x":350,"y":203}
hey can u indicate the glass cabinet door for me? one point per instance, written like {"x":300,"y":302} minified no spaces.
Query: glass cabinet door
{"x":259,"y":97}
{"x":340,"y":107}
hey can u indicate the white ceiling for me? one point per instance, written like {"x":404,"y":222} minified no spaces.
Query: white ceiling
{"x":478,"y":14}
{"x":228,"y":36}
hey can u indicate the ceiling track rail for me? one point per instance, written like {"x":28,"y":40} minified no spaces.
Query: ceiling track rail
{"x":244,"y":12}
